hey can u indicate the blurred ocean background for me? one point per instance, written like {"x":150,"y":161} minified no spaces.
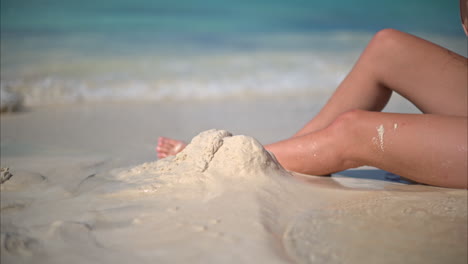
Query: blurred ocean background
{"x":68,"y":51}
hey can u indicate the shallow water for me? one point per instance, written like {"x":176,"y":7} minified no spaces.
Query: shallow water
{"x":61,"y":52}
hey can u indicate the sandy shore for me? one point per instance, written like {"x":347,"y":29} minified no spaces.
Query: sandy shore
{"x":86,"y":189}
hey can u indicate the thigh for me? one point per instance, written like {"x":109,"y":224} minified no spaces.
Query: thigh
{"x":431,"y":77}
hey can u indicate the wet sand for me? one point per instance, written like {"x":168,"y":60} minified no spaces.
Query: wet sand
{"x":86,"y":189}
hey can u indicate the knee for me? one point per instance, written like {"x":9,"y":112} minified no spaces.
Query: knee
{"x":346,"y":121}
{"x":346,"y":127}
{"x":387,"y":36}
{"x":386,"y":40}
{"x":383,"y":52}
{"x":345,"y":131}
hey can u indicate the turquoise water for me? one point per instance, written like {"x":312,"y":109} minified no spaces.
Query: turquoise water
{"x":69,"y":51}
{"x":218,"y":17}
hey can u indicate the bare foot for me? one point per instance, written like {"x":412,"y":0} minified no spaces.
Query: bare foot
{"x":169,"y":147}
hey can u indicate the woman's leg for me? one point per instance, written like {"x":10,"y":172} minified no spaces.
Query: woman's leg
{"x":428,"y":148}
{"x":431,"y":77}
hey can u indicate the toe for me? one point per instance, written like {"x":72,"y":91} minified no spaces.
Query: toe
{"x":161,"y":141}
{"x":163,"y":148}
{"x":173,"y":142}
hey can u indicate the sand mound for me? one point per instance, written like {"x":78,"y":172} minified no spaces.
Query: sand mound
{"x":212,"y":161}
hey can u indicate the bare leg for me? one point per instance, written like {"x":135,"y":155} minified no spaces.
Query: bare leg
{"x":430,"y":149}
{"x":431,"y":77}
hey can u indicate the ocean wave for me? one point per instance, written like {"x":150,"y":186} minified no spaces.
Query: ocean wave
{"x":79,"y":70}
{"x":172,"y":78}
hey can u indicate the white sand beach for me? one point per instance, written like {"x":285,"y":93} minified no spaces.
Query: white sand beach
{"x":86,"y":188}
{"x":87,"y":87}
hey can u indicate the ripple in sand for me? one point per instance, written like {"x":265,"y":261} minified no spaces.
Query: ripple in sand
{"x":405,"y":229}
